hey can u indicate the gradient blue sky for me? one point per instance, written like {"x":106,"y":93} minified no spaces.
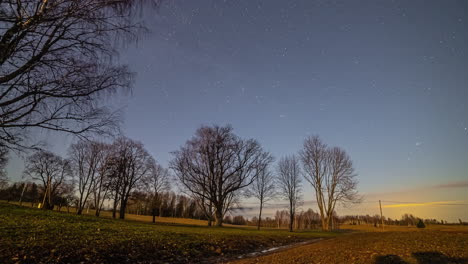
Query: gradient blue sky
{"x":385,"y":80}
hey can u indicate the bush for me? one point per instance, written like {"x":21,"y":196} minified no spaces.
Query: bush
{"x":420,"y":224}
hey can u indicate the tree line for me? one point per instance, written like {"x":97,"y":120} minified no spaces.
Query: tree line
{"x":405,"y":220}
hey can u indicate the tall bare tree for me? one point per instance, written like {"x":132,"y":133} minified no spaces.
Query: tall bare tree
{"x":263,"y":189}
{"x":133,"y":163}
{"x":102,"y":183}
{"x":56,"y":64}
{"x":289,"y":183}
{"x":330,"y":171}
{"x":157,"y":181}
{"x":86,"y":158}
{"x":51,"y":170}
{"x":215,"y":164}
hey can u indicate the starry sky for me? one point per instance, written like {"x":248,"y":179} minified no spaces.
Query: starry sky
{"x":385,"y":80}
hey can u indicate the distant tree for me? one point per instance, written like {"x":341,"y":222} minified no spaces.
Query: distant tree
{"x":330,"y":172}
{"x":227,"y":219}
{"x":157,"y":181}
{"x":33,"y":194}
{"x":132,"y":164}
{"x":215,"y":165}
{"x":239,"y":220}
{"x":263,"y":188}
{"x":49,"y":169}
{"x":86,"y":159}
{"x":102,"y":180}
{"x":63,"y":195}
{"x":420,"y":224}
{"x":57,"y":67}
{"x":289,"y":183}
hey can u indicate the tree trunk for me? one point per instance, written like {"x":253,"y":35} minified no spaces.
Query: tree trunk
{"x":123,"y":206}
{"x":291,"y":222}
{"x":260,"y":216}
{"x":114,"y":208}
{"x":219,"y":217}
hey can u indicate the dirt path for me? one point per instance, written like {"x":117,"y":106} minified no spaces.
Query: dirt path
{"x":422,"y":247}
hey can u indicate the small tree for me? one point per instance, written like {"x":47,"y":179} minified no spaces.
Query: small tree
{"x":420,"y":224}
{"x":263,"y":188}
{"x":51,"y":170}
{"x":289,"y":183}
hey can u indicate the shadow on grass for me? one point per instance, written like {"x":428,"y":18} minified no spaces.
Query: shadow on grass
{"x":430,"y":257}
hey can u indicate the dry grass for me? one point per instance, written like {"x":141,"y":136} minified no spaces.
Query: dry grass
{"x":30,"y":235}
{"x":435,"y":244}
{"x":133,"y":217}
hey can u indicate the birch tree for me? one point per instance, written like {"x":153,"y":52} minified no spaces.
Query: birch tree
{"x":86,"y":159}
{"x":289,"y":183}
{"x":263,"y":189}
{"x":330,"y":171}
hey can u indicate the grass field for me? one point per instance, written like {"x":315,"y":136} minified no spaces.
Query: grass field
{"x":440,"y":244}
{"x":29,"y":235}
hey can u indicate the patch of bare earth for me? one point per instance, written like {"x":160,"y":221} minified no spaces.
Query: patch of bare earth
{"x":418,"y":246}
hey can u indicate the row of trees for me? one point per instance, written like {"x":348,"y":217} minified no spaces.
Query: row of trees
{"x":405,"y":220}
{"x":329,"y":171}
{"x":282,"y":219}
{"x":99,"y":172}
{"x":218,"y":168}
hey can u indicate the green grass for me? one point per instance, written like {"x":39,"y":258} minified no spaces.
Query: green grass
{"x":30,"y":235}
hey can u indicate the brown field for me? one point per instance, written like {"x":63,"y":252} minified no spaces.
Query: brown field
{"x":434,"y":244}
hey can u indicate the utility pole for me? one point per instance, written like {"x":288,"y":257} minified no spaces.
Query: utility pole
{"x":381,"y":216}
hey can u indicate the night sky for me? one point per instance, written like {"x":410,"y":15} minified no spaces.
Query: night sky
{"x":385,"y":80}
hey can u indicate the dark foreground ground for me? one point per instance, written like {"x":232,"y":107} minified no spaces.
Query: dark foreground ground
{"x":29,"y":235}
{"x":427,"y":246}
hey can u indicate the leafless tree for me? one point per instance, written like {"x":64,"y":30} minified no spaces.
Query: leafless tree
{"x":330,"y":172}
{"x":263,"y":189}
{"x":289,"y":183}
{"x":157,"y":181}
{"x":51,"y":170}
{"x":102,"y":182}
{"x":215,"y":164}
{"x":132,"y":164}
{"x":86,"y":158}
{"x":56,"y":64}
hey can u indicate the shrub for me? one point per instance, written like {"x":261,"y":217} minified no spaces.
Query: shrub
{"x":420,"y":224}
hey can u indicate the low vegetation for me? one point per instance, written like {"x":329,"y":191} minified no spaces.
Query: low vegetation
{"x":30,"y":235}
{"x":434,"y":244}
